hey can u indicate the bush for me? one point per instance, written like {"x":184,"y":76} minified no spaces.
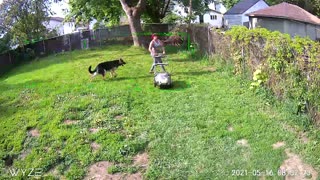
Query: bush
{"x":290,"y":67}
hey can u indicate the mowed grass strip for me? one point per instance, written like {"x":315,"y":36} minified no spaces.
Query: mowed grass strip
{"x":208,"y":126}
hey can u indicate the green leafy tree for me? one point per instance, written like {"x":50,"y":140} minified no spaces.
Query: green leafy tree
{"x":24,"y":19}
{"x":5,"y":43}
{"x":156,"y":10}
{"x":110,"y":11}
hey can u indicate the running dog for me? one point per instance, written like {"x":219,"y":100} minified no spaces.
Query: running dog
{"x":103,"y":67}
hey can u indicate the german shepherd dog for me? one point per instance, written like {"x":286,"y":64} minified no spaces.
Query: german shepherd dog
{"x":103,"y":67}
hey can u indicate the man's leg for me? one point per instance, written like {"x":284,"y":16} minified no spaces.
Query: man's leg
{"x":158,"y":60}
{"x":153,"y":65}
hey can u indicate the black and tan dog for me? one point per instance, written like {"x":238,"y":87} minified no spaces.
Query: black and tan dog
{"x":103,"y":67}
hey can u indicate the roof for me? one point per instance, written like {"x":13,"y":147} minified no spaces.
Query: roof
{"x":287,"y":11}
{"x":60,"y":19}
{"x":242,"y":6}
{"x":211,"y":10}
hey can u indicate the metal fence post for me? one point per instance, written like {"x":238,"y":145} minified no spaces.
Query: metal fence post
{"x":44,"y":47}
{"x":10,"y":57}
{"x":70,"y":47}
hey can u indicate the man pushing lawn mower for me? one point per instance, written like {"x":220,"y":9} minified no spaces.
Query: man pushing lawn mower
{"x":155,"y":48}
{"x":162,"y":79}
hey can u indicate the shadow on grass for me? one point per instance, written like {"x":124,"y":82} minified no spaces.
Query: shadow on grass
{"x":192,"y":73}
{"x":179,"y":85}
{"x":131,"y":78}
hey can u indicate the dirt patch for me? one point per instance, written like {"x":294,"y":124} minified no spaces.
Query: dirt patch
{"x":34,"y":133}
{"x":70,"y":122}
{"x":99,"y":171}
{"x":95,"y":146}
{"x":119,"y":117}
{"x":93,"y":130}
{"x":296,"y":169}
{"x":24,"y":154}
{"x":141,"y":160}
{"x":243,"y":142}
{"x":301,"y":135}
{"x":54,"y":172}
{"x":278,"y":144}
{"x":210,"y":69}
{"x":230,"y":128}
{"x":135,"y":176}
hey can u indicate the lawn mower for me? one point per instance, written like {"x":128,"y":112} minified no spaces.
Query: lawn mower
{"x":162,"y":79}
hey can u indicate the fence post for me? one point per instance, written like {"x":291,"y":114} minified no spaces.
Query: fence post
{"x":209,"y":44}
{"x":100,"y":37}
{"x":70,"y":48}
{"x":10,"y":57}
{"x":44,"y":47}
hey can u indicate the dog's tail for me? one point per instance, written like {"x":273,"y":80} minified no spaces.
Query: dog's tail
{"x":90,"y":71}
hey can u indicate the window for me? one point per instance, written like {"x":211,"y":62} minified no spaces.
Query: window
{"x":213,"y":17}
{"x":186,"y":10}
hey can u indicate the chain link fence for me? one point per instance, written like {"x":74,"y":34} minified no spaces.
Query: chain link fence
{"x":79,"y":40}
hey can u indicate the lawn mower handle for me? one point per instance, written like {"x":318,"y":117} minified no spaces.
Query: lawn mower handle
{"x":159,"y":64}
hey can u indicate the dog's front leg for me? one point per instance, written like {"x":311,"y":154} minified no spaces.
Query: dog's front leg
{"x":114,"y":74}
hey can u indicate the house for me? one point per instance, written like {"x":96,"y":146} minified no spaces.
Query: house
{"x":287,"y":18}
{"x":237,"y":14}
{"x":58,"y":24}
{"x":213,"y":15}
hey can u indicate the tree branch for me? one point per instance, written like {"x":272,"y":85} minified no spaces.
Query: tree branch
{"x":165,"y":8}
{"x":125,"y":6}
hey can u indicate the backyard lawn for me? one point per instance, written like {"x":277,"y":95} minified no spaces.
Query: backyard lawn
{"x":57,"y":124}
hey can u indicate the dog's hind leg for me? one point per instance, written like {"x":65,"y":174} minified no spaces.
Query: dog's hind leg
{"x":104,"y":75}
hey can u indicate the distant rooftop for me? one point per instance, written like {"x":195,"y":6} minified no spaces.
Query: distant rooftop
{"x":287,"y":11}
{"x":60,"y":19}
{"x":242,"y":6}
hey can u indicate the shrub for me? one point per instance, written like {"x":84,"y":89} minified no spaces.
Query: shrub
{"x":288,"y":66}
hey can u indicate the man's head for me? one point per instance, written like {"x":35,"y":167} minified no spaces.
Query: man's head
{"x":154,"y":36}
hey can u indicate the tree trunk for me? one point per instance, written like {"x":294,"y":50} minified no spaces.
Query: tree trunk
{"x":136,"y":30}
{"x":134,"y":16}
{"x":190,"y":12}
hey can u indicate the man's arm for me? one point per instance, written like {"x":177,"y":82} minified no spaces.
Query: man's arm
{"x":150,"y":46}
{"x":163,"y":49}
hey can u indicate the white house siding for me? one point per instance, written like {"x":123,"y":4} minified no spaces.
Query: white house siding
{"x":216,"y":22}
{"x":219,"y":7}
{"x":232,"y":20}
{"x":259,"y":5}
{"x":69,"y":27}
{"x":268,"y":23}
{"x":57,"y":25}
{"x":294,"y":28}
{"x":179,"y":9}
{"x":213,"y":22}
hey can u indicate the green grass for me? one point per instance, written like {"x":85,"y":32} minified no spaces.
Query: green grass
{"x":184,"y":130}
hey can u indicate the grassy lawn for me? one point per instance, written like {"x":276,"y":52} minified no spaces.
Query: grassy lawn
{"x":206,"y":127}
